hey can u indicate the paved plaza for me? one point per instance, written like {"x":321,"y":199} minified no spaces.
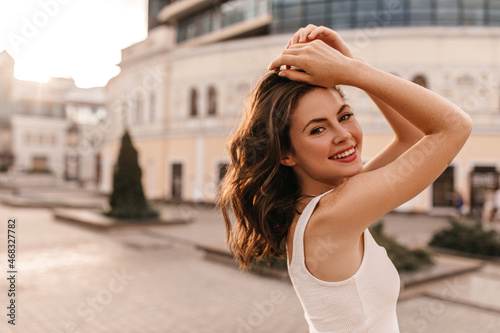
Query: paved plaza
{"x":153,"y":279}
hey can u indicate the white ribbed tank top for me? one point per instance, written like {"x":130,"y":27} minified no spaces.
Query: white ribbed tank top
{"x":365,"y":302}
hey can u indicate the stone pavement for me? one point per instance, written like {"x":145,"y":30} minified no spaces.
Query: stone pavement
{"x":153,"y":279}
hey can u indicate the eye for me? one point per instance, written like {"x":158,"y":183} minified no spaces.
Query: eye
{"x":346,"y":116}
{"x":318,"y":130}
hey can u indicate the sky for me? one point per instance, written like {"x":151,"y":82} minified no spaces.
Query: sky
{"x":81,"y":39}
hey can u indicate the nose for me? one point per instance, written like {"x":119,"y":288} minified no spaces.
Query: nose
{"x":341,"y":135}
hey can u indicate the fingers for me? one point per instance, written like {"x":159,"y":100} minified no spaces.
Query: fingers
{"x":301,"y":36}
{"x":322,"y":31}
{"x":295,"y":75}
{"x":327,"y":35}
{"x":287,"y":60}
{"x":295,"y":55}
{"x":304,"y":34}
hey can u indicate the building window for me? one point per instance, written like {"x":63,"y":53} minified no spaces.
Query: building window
{"x":176,"y":181}
{"x":39,"y":163}
{"x":212,"y":101}
{"x":58,"y":111}
{"x":443,"y":188}
{"x":219,"y":16}
{"x":447,"y":12}
{"x":474,"y":13}
{"x":484,"y":181}
{"x":289,"y":15}
{"x":152,"y":108}
{"x":138,"y":110}
{"x":420,"y":13}
{"x":420,"y":80}
{"x":193,"y":102}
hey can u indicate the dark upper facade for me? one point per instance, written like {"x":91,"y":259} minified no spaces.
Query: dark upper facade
{"x":214,"y":20}
{"x":288,"y":15}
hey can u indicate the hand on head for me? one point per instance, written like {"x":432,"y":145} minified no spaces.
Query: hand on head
{"x":320,"y":52}
{"x":327,"y":35}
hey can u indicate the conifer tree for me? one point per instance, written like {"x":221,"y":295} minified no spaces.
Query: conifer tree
{"x":127,"y":199}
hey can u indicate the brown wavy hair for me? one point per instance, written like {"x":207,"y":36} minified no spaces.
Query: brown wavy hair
{"x":260,"y":190}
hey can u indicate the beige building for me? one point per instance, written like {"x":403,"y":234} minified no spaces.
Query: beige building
{"x":51,"y":127}
{"x":181,"y":93}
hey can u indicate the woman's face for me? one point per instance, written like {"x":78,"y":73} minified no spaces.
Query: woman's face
{"x":326,"y":141}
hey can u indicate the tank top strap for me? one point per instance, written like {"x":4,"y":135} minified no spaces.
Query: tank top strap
{"x":298,"y":237}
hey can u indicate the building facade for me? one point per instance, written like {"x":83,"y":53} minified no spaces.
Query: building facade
{"x":51,"y":127}
{"x":182,"y":90}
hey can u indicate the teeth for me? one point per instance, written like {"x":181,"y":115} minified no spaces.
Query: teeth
{"x":344,"y":154}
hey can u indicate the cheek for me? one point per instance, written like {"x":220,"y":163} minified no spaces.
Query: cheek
{"x":357,"y":134}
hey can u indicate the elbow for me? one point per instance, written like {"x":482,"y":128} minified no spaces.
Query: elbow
{"x":466,"y":127}
{"x":461,"y":124}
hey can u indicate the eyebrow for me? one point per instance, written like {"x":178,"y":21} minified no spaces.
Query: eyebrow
{"x":319,"y":120}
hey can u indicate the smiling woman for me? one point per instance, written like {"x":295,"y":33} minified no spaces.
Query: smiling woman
{"x":297,"y":184}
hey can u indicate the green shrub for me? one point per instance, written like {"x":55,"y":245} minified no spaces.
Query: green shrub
{"x":468,"y":238}
{"x":127,"y":200}
{"x":403,"y":258}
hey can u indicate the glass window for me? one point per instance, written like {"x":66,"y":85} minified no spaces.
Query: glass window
{"x":212,"y":101}
{"x":393,"y":13}
{"x":292,"y":12}
{"x":193,"y":103}
{"x":420,"y":80}
{"x":494,"y":4}
{"x":442,"y":189}
{"x":177,"y":181}
{"x":316,"y":13}
{"x":58,"y":111}
{"x":447,"y":12}
{"x":493,"y":12}
{"x":474,"y":12}
{"x":138,"y":110}
{"x":366,"y":12}
{"x":341,"y":16}
{"x":152,"y":108}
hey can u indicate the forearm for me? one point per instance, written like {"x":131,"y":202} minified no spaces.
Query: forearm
{"x":427,"y":111}
{"x":404,"y":131}
{"x":405,"y":136}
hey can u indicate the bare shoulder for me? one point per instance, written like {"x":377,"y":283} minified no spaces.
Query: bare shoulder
{"x":358,"y":202}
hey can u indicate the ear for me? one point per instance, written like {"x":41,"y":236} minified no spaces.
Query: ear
{"x":287,"y":159}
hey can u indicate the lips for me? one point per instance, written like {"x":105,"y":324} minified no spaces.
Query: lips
{"x":344,"y":153}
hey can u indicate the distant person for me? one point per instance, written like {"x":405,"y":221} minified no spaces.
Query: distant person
{"x":458,"y":203}
{"x":297,"y":178}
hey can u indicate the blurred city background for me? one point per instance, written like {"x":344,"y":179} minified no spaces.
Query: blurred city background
{"x":179,"y":89}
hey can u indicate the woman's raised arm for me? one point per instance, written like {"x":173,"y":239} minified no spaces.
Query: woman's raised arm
{"x":365,"y":197}
{"x":405,"y":134}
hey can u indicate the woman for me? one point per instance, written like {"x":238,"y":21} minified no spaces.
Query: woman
{"x":297,"y":178}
